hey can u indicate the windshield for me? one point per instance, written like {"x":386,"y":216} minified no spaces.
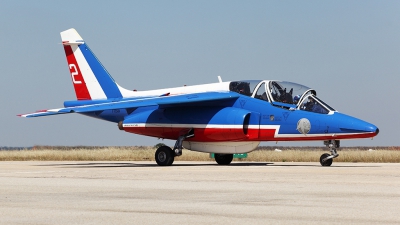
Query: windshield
{"x":313,"y":104}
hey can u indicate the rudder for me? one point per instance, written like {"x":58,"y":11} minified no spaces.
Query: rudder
{"x":89,"y":77}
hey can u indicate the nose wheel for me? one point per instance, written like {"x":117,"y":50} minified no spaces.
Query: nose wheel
{"x":327,"y":159}
{"x":324,"y":161}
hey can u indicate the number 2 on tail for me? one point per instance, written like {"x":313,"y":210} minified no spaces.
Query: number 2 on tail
{"x":74,"y":72}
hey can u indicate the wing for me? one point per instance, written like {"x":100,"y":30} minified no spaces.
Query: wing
{"x":162,"y":101}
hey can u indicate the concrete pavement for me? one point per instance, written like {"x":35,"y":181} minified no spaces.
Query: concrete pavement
{"x":198,"y":193}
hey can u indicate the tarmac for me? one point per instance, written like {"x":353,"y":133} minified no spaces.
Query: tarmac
{"x":64,"y":192}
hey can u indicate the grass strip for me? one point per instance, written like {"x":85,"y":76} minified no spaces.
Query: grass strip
{"x":147,"y":154}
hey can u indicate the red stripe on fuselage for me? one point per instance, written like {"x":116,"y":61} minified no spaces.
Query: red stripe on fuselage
{"x":235,"y":134}
{"x":200,"y":134}
{"x":81,"y":91}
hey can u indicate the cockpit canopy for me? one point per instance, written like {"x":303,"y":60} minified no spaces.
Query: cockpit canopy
{"x":244,"y":87}
{"x":282,"y":94}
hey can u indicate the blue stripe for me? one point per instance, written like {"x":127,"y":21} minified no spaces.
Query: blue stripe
{"x":108,"y":84}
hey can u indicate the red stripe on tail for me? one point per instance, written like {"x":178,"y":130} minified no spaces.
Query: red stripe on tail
{"x":81,"y":90}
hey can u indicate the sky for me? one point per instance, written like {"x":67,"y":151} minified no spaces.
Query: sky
{"x":349,"y":51}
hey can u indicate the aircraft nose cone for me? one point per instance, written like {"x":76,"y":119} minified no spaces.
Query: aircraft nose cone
{"x":350,"y":124}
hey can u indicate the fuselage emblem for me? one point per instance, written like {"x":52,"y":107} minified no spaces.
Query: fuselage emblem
{"x":304,"y":126}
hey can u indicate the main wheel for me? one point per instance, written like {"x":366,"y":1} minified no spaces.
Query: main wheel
{"x":327,"y":162}
{"x":223,"y":159}
{"x":164,"y":156}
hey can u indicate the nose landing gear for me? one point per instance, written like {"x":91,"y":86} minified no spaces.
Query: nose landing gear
{"x":326,"y":159}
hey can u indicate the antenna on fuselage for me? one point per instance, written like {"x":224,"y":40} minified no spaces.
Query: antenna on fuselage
{"x":220,"y":79}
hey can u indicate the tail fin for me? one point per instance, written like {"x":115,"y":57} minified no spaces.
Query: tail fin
{"x":89,"y":77}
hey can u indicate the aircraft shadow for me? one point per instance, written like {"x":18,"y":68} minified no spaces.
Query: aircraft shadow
{"x":113,"y":164}
{"x":237,"y":164}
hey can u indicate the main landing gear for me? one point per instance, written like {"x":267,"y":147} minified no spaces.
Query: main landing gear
{"x":165,"y":155}
{"x":326,"y":159}
{"x":223,"y":159}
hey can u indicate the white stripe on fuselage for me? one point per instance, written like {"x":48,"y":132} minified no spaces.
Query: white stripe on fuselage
{"x":198,"y":126}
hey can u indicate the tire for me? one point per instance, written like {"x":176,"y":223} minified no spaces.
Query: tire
{"x":164,"y":156}
{"x":223,"y":159}
{"x":327,"y":162}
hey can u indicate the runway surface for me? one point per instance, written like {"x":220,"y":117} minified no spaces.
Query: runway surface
{"x":198,"y":193}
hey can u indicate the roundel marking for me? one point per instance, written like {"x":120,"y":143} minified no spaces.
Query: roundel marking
{"x":303,"y":126}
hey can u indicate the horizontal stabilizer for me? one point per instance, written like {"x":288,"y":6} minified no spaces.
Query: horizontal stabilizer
{"x":47,"y":112}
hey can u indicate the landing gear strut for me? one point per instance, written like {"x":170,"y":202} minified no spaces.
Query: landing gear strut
{"x":178,"y":144}
{"x":326,"y":159}
{"x":165,"y":155}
